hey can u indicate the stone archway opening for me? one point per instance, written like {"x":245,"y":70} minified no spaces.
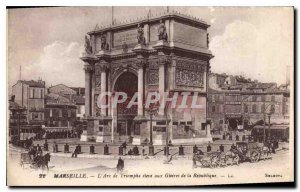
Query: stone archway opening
{"x":127,"y":82}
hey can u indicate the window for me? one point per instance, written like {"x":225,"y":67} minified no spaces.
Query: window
{"x":31,"y":93}
{"x":254,"y":98}
{"x":60,"y":112}
{"x":50,"y":112}
{"x":221,"y":121}
{"x":262,"y":108}
{"x":221,"y":110}
{"x":254,"y":108}
{"x":213,"y":98}
{"x":203,"y":125}
{"x":273,"y":98}
{"x":262,"y":98}
{"x":69,"y":113}
{"x":258,"y":98}
{"x":213,"y":109}
{"x":41,"y":94}
{"x":245,"y":109}
{"x":35,"y":116}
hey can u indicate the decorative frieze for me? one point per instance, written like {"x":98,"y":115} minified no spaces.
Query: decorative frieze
{"x":189,"y":73}
{"x":153,"y":77}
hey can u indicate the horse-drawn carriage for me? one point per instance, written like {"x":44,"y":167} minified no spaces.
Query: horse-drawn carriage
{"x":251,"y":151}
{"x":35,"y":161}
{"x":243,"y":151}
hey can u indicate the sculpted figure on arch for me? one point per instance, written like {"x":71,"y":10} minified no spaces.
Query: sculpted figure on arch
{"x":140,"y":36}
{"x":87,"y":45}
{"x":162,"y":31}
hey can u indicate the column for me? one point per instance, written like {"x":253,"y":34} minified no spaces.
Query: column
{"x":140,"y":87}
{"x":103,"y":89}
{"x":87,"y":69}
{"x":161,"y":82}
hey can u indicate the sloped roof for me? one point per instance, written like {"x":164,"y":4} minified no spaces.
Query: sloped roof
{"x":33,"y":83}
{"x":56,"y":99}
{"x":61,"y":89}
{"x":261,"y":86}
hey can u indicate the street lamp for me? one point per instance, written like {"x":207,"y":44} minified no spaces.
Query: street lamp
{"x":272,"y":110}
{"x":152,"y":110}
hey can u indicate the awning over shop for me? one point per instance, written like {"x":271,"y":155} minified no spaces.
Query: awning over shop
{"x":277,"y":127}
{"x":58,"y":128}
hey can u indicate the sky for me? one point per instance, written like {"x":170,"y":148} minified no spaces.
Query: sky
{"x":256,"y":42}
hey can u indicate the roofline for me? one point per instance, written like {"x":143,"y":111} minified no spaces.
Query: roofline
{"x":173,"y":14}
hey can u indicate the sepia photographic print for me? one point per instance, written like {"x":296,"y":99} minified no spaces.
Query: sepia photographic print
{"x":150,"y":96}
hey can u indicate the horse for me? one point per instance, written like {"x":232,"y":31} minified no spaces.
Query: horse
{"x":42,"y":161}
{"x":233,"y":156}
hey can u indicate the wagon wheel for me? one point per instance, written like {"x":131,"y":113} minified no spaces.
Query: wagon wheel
{"x":254,"y":156}
{"x":205,"y":163}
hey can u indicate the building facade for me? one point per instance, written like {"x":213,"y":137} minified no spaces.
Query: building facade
{"x":243,"y":105}
{"x":31,"y":95}
{"x":60,"y":113}
{"x":74,"y":95}
{"x":166,"y":53}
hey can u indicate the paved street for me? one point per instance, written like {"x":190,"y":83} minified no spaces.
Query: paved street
{"x":279,"y":165}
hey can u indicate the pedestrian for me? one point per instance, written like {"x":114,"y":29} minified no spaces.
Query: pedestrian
{"x":54,"y":147}
{"x":66,"y":149}
{"x":45,"y":146}
{"x":75,"y":153}
{"x":130,"y":152}
{"x":232,"y":147}
{"x":124,"y":145}
{"x":208,"y":148}
{"x":135,"y":150}
{"x":143,"y":150}
{"x":120,"y":165}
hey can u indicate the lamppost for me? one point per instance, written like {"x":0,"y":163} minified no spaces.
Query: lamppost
{"x":152,"y":110}
{"x":272,"y":110}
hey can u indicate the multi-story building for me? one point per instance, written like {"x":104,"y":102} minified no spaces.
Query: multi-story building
{"x":239,"y":104}
{"x":60,"y":113}
{"x":75,"y":95}
{"x":31,"y":95}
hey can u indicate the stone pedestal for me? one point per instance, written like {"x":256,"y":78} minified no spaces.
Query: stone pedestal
{"x":136,"y":141}
{"x":99,"y":138}
{"x":84,"y":136}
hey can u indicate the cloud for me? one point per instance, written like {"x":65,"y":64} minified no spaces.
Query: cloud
{"x":58,"y":63}
{"x":259,"y":51}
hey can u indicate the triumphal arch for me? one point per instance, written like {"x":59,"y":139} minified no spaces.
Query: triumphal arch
{"x":167,"y":53}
